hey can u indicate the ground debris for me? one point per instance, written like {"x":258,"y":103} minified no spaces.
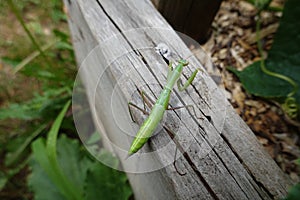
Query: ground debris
{"x":233,"y":43}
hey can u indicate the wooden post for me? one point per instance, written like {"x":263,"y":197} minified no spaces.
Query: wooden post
{"x":191,"y":17}
{"x":115,"y":42}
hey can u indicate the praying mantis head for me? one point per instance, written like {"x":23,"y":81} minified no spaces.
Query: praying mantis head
{"x":183,"y":62}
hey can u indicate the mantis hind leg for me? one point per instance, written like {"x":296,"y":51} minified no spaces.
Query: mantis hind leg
{"x":130,"y":104}
{"x":146,"y":101}
{"x":177,"y":146}
{"x":188,"y":106}
{"x":174,"y":163}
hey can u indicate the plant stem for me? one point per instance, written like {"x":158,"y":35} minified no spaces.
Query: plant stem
{"x":262,"y":61}
{"x":289,"y":106}
{"x":71,"y":190}
{"x":20,"y":19}
{"x":32,"y":56}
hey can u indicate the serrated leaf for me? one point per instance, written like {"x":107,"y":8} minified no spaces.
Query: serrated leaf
{"x":47,"y":158}
{"x":106,"y":183}
{"x":73,"y":162}
{"x":66,"y":167}
{"x":95,"y":178}
{"x":40,"y":183}
{"x":41,"y":106}
{"x":18,"y":111}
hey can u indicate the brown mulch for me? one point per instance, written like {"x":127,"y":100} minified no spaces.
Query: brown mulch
{"x":233,"y":43}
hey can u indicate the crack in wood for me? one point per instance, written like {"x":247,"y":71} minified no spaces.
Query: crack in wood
{"x":248,"y":171}
{"x":190,"y":162}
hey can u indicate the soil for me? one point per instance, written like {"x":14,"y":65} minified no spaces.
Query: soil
{"x":233,"y":43}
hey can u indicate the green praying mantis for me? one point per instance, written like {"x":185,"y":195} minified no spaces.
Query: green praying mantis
{"x":161,"y":105}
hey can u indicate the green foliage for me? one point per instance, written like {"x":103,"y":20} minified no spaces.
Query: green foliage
{"x":102,"y":181}
{"x":69,"y":171}
{"x":278,"y":77}
{"x":46,"y":156}
{"x":41,"y":106}
{"x":55,"y":71}
{"x":60,"y":168}
{"x":283,"y":77}
{"x":294,"y":193}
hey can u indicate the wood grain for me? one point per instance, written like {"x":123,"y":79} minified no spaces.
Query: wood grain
{"x":115,"y":42}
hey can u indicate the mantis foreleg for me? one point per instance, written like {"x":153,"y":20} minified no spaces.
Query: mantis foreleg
{"x":188,"y":82}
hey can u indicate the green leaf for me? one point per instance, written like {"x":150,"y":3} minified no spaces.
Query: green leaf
{"x":107,"y":183}
{"x":256,"y":82}
{"x":294,"y":193}
{"x":283,"y":58}
{"x":73,"y":165}
{"x":64,"y":46}
{"x":18,"y":111}
{"x":41,"y":106}
{"x":40,"y":181}
{"x":96,"y":179}
{"x":52,"y":135}
{"x":68,"y":188}
{"x":47,"y":157}
{"x":64,"y":166}
{"x":73,"y":160}
{"x":63,"y":36}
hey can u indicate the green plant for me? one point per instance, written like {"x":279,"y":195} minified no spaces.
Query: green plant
{"x":58,"y":162}
{"x":53,"y":68}
{"x":289,"y":105}
{"x":294,"y":193}
{"x":277,"y":77}
{"x":69,"y":171}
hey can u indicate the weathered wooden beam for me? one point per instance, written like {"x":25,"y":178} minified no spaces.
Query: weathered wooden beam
{"x":191,"y":17}
{"x":115,"y":42}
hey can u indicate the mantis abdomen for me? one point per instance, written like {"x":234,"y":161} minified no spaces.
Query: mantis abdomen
{"x":160,"y":106}
{"x":150,"y":124}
